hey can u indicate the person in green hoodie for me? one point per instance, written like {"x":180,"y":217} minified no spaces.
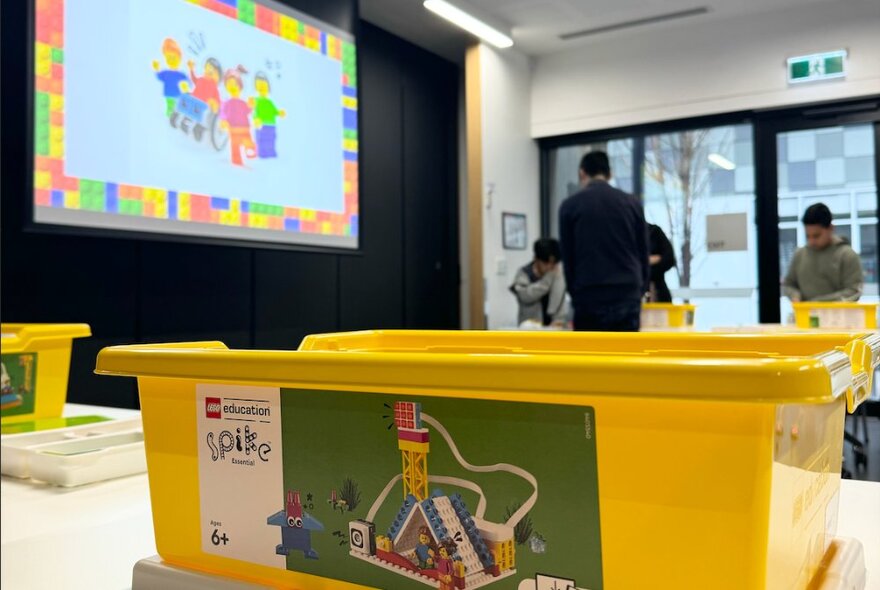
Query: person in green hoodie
{"x":827,"y":269}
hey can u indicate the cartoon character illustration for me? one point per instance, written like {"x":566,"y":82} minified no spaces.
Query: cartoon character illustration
{"x":294,"y":509}
{"x":8,"y":397}
{"x":235,"y":117}
{"x":337,"y":503}
{"x":5,"y":381}
{"x":196,"y":113}
{"x":265,"y":117}
{"x":446,"y":564}
{"x":424,"y":551}
{"x":296,"y":527}
{"x":207,"y":85}
{"x":173,"y":80}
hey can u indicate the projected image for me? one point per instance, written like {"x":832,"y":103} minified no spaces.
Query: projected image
{"x":194,"y":106}
{"x":222,"y":118}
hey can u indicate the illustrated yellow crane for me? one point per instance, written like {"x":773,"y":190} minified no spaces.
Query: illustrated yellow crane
{"x":414,"y":444}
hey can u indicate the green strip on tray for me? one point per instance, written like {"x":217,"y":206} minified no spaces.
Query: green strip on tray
{"x":49,"y":424}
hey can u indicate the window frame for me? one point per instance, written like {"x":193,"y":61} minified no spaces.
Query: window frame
{"x":765,"y":126}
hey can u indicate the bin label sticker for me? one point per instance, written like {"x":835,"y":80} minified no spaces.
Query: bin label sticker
{"x":853,"y":319}
{"x":240,"y":470}
{"x":18,"y":384}
{"x":404,"y":491}
{"x":655,"y":318}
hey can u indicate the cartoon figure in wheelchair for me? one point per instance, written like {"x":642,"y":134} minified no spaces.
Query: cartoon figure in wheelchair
{"x":196,"y":113}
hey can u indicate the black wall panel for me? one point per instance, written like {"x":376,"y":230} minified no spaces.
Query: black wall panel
{"x":295,"y":294}
{"x":372,"y":284}
{"x":195,"y":292}
{"x":430,"y":224}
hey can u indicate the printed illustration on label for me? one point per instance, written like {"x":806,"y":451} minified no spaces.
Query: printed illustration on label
{"x":402,"y":492}
{"x":18,"y":376}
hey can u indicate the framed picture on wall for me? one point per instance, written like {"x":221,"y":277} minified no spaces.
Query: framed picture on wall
{"x":513,"y":230}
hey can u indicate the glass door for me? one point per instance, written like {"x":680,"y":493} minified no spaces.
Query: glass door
{"x":690,"y":178}
{"x":835,"y":165}
{"x":562,"y":172}
{"x":686,"y":177}
{"x":817,"y":154}
{"x":748,"y":176}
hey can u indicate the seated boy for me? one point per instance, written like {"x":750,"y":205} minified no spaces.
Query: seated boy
{"x":539,"y":286}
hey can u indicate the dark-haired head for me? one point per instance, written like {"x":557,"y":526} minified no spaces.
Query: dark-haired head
{"x":817,"y":226}
{"x":547,"y":250}
{"x":595,"y":165}
{"x":547,"y":255}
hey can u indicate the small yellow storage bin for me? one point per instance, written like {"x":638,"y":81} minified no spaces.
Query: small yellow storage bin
{"x":668,"y":315}
{"x":36,"y":363}
{"x":616,"y":461}
{"x":835,"y":315}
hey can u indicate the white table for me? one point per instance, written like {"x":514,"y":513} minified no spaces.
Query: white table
{"x":90,"y":537}
{"x":87,"y":537}
{"x":859,"y":518}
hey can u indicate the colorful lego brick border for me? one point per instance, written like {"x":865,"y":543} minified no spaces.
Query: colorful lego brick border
{"x":52,"y":188}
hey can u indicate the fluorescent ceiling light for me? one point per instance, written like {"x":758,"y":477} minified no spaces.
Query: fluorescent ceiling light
{"x":469,"y":23}
{"x":722,"y":162}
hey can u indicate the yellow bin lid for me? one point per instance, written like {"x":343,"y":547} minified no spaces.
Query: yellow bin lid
{"x":670,"y":306}
{"x":834,"y":305}
{"x":777,"y":368}
{"x":25,"y":337}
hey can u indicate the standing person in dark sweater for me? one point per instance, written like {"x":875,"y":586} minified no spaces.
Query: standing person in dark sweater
{"x":604,"y":242}
{"x":662,"y":259}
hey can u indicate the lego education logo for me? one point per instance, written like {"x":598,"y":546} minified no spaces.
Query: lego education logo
{"x":213,"y":408}
{"x":245,"y":410}
{"x":239,"y":443}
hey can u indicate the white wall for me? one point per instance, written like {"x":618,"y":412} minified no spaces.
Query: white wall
{"x":511,"y":165}
{"x":690,"y":69}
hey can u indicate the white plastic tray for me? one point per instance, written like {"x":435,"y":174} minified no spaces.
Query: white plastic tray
{"x":76,"y":455}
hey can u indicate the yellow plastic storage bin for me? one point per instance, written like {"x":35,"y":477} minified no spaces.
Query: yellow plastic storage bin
{"x":36,"y":363}
{"x":668,"y":315}
{"x":865,"y":359}
{"x":500,"y":460}
{"x":835,"y":315}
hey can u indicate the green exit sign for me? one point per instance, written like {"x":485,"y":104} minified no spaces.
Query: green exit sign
{"x":816,"y":67}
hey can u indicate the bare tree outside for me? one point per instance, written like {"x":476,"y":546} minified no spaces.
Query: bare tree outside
{"x":683,"y":177}
{"x":678,"y":164}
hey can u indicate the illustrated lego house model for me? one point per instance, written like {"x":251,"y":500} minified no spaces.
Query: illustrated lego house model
{"x":434,"y":538}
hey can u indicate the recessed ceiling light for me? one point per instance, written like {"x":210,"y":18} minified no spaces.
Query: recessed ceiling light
{"x":469,"y":23}
{"x":722,"y":162}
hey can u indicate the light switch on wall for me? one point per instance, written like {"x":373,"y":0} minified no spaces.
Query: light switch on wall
{"x":501,"y":266}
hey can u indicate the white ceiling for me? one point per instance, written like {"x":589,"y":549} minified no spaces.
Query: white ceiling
{"x":412,"y":21}
{"x":537,"y":24}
